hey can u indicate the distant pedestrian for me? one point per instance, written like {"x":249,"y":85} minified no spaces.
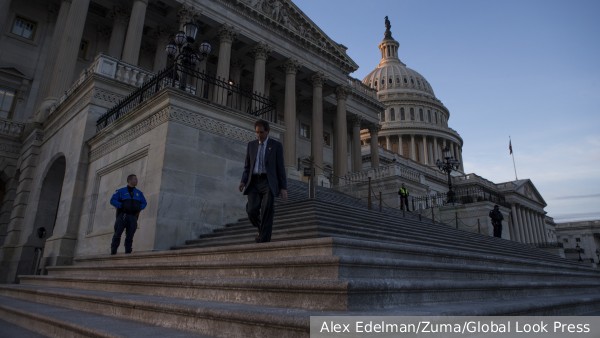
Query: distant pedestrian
{"x":129,"y":201}
{"x":497,"y":218}
{"x":403,"y":192}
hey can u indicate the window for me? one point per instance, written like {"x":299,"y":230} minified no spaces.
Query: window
{"x":428,"y":115}
{"x":23,"y":28}
{"x":421,"y":114}
{"x":327,"y":139}
{"x":405,"y":80}
{"x":390,"y":80}
{"x":7,"y":99}
{"x":412,"y":114}
{"x":392,"y":114}
{"x":305,"y":131}
{"x":402,"y":117}
{"x":436,"y":120}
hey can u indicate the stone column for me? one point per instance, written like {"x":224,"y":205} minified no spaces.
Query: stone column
{"x":160,"y":56}
{"x":261,"y":52}
{"x":226,"y":37}
{"x":341,"y":135}
{"x":50,"y":64}
{"x":289,"y":114}
{"x":356,"y":146}
{"x":543,"y":227}
{"x":318,"y":80}
{"x":400,"y":145}
{"x":413,"y":148}
{"x":62,"y":76}
{"x":522,"y":226}
{"x":515,"y":224}
{"x":388,"y":143}
{"x":135,"y":30}
{"x":425,"y":151}
{"x":119,"y":29}
{"x":374,"y":131}
{"x":4,"y":10}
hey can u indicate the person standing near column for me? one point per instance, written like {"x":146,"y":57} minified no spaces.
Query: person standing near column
{"x":263,"y":179}
{"x":403,"y":192}
{"x":497,"y":218}
{"x":129,"y":201}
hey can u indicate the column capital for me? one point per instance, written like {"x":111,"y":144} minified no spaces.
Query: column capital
{"x":318,"y":79}
{"x":261,"y":51}
{"x":374,"y":129}
{"x":119,"y":15}
{"x":227,"y":33}
{"x":187,"y":14}
{"x":342,"y":92}
{"x":291,"y":66}
{"x":356,"y":120}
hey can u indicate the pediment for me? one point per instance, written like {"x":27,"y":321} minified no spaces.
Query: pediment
{"x":285,"y":16}
{"x":528,"y":189}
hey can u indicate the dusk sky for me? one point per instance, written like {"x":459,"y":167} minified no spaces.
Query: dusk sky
{"x":528,"y":69}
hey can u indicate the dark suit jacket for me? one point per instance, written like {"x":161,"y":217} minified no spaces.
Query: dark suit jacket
{"x":273,"y":163}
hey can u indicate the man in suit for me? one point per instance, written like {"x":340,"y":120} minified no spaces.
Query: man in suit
{"x":263,"y":179}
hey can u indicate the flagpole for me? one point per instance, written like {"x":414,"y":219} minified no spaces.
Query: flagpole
{"x":513,"y":157}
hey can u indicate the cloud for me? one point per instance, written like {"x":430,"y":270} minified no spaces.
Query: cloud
{"x":577,"y":197}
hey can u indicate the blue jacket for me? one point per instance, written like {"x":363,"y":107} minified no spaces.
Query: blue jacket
{"x":124,"y":202}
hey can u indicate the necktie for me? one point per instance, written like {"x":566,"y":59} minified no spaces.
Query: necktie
{"x":261,"y":158}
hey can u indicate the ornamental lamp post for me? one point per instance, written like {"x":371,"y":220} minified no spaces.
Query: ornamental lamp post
{"x":181,"y":50}
{"x":447,"y":166}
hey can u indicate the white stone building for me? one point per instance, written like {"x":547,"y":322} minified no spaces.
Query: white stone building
{"x":79,"y":112}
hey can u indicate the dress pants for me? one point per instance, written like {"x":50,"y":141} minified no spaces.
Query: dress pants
{"x":260,"y":207}
{"x":128,"y":223}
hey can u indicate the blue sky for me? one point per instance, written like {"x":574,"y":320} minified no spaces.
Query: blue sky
{"x":528,"y":69}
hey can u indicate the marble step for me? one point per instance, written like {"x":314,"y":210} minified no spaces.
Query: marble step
{"x":42,"y":320}
{"x":330,"y":295}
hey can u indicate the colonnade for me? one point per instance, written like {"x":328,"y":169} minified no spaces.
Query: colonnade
{"x":528,"y":225}
{"x":125,"y":42}
{"x":424,"y":149}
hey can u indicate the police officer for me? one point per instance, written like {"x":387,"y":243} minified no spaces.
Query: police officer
{"x":403,"y":192}
{"x":497,"y":218}
{"x":129,"y":201}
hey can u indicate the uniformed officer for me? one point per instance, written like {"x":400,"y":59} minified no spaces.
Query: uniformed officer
{"x":129,"y":201}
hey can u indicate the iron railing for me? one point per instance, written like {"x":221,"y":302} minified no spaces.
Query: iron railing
{"x":196,"y":83}
{"x":463,"y":195}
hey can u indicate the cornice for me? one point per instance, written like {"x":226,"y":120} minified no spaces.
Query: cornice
{"x":290,"y":23}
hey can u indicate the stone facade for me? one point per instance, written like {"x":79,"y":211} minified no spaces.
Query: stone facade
{"x":69,"y":63}
{"x":60,"y":166}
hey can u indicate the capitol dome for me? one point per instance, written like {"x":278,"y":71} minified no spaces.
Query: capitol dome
{"x":414,"y":123}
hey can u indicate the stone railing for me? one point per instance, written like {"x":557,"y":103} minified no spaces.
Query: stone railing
{"x":359,"y":87}
{"x":112,"y":68}
{"x":392,"y":170}
{"x":11,"y":128}
{"x":474,"y":179}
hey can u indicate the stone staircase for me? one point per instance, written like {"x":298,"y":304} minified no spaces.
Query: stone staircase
{"x":329,"y":256}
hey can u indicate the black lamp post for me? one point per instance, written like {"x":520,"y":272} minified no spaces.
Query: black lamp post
{"x":579,"y":252}
{"x":447,"y":166}
{"x":181,"y":50}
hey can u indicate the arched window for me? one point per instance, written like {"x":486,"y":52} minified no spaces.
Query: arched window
{"x":412,"y":114}
{"x":428,"y":115}
{"x":421,"y":115}
{"x":392,"y":114}
{"x":402,"y":117}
